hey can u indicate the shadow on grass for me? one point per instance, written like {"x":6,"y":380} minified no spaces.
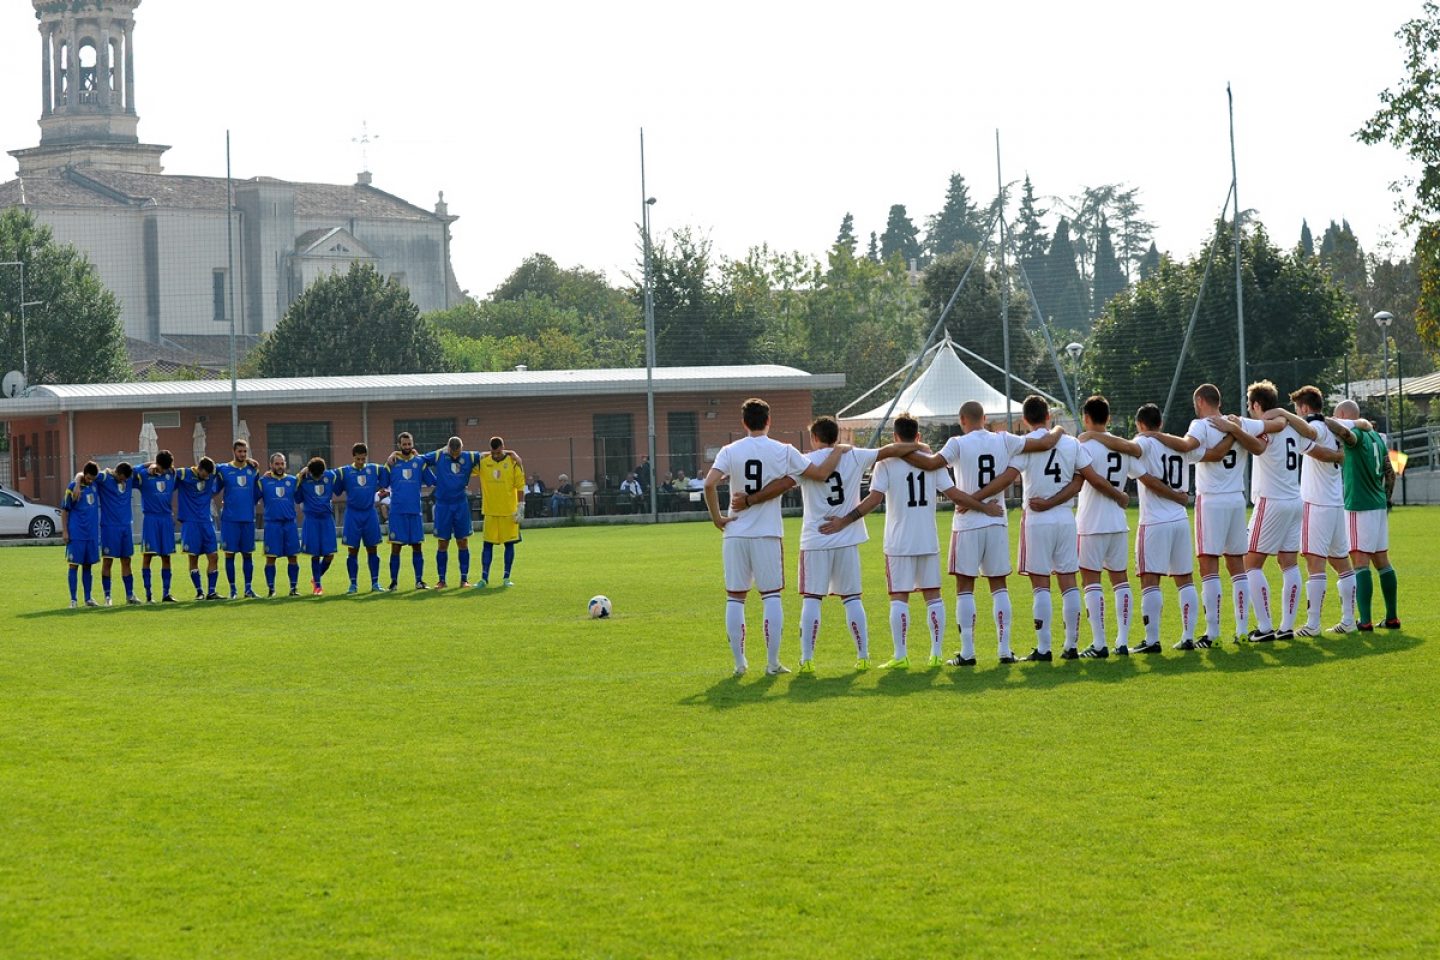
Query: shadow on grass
{"x":1228,"y":658}
{"x":192,"y":606}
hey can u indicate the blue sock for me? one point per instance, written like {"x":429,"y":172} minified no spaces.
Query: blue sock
{"x":129,"y":580}
{"x":105,"y":586}
{"x":509,"y":558}
{"x":464,"y":564}
{"x":87,"y":580}
{"x":394,"y":567}
{"x":315,"y":570}
{"x":374,"y":566}
{"x":270,"y":577}
{"x":212,"y":578}
{"x":294,"y":573}
{"x":74,"y":579}
{"x":417,"y":560}
{"x":352,"y":567}
{"x":442,"y":564}
{"x":325,"y":565}
{"x":195,"y":579}
{"x":230,"y":570}
{"x":487,"y":553}
{"x":164,"y":582}
{"x":145,"y":579}
{"x":249,"y":571}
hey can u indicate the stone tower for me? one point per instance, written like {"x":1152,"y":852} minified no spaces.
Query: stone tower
{"x":87,"y":90}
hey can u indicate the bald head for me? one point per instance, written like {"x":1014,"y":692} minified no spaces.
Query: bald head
{"x":972,"y":413}
{"x":1347,"y":410}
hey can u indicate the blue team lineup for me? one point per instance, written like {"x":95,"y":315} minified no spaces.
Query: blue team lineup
{"x":297,"y":514}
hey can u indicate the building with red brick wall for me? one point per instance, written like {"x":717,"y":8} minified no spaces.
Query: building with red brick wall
{"x":588,"y":424}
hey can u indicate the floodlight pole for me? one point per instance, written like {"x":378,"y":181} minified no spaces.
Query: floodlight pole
{"x":1004,"y":280}
{"x":1239,"y":284}
{"x":230,"y":277}
{"x":24,"y":339}
{"x":646,"y":201}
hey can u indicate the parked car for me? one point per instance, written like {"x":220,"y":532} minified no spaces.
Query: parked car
{"x":21,"y":516}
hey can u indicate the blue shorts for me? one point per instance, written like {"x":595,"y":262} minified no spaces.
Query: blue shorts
{"x":452,"y":521}
{"x":83,"y":552}
{"x":117,"y":542}
{"x":318,"y":537}
{"x":282,"y":539}
{"x":158,"y":534}
{"x":361,"y":527}
{"x":238,"y":535}
{"x":197,"y":537}
{"x":407,"y":528}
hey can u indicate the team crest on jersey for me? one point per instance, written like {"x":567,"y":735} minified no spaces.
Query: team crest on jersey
{"x":240,"y":481}
{"x":495,"y":474}
{"x":160,"y":486}
{"x":405,"y":473}
{"x":120,"y":486}
{"x":360,"y":480}
{"x":319,"y":489}
{"x":89,"y":498}
{"x":454,"y":468}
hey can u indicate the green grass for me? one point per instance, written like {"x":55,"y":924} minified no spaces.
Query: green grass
{"x":492,"y":774}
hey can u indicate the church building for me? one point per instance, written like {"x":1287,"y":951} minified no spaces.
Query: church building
{"x":164,"y":243}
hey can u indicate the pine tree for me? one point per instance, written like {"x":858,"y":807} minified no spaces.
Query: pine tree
{"x":1031,"y":240}
{"x":1109,"y":278}
{"x":874,"y":252}
{"x":845,"y":239}
{"x":1307,"y":242}
{"x":1151,"y":263}
{"x":900,"y":236}
{"x":1068,"y":302}
{"x":958,"y":223}
{"x":1341,"y":254}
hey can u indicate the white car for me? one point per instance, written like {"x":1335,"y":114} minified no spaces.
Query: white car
{"x":21,"y":516}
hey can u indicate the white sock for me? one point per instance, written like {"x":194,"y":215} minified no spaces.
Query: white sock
{"x":1042,"y":609}
{"x":735,"y":630}
{"x":1070,"y":613}
{"x":1095,"y":610}
{"x":899,"y":624}
{"x":1346,"y":584}
{"x":1290,"y":581}
{"x":1000,"y":606}
{"x":1189,"y":611}
{"x":965,"y":622}
{"x":809,"y":626}
{"x":1211,"y":591}
{"x":859,"y":627}
{"x":774,"y":627}
{"x":1152,"y":605}
{"x":1260,"y":599}
{"x":1314,"y":599}
{"x":935,"y":616}
{"x":1240,"y":593}
{"x":1124,"y":613}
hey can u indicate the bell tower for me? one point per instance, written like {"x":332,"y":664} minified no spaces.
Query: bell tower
{"x":87,"y":90}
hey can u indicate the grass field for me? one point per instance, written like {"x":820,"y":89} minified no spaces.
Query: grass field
{"x":492,"y":774}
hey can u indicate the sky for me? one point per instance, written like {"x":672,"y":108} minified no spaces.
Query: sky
{"x":764,"y":122}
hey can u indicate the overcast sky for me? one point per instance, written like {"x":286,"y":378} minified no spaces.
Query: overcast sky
{"x":764,"y":122}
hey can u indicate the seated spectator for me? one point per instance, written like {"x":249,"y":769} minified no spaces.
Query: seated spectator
{"x":535,"y":484}
{"x":681,"y":483}
{"x":563,"y":498}
{"x":695,"y":483}
{"x":631,"y":486}
{"x":668,"y":484}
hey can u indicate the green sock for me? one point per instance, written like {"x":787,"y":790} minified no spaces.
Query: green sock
{"x":1364,"y":592}
{"x":1389,"y":588}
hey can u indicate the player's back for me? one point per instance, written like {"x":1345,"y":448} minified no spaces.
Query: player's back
{"x":750,"y":463}
{"x":1276,"y":474}
{"x":910,"y":498}
{"x":1097,"y":513}
{"x":978,"y":457}
{"x":1364,"y":472}
{"x":1046,"y":473}
{"x":1225,"y":476}
{"x":1168,"y":466}
{"x":1323,"y":483}
{"x":836,"y":495}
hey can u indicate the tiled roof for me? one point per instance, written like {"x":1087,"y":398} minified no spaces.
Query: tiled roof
{"x":51,"y":192}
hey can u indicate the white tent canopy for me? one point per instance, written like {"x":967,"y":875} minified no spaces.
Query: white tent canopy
{"x":935,"y":396}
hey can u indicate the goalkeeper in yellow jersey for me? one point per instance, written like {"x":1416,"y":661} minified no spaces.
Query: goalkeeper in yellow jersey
{"x":502,"y":498}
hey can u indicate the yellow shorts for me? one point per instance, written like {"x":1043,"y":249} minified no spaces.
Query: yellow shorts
{"x":501,"y":529}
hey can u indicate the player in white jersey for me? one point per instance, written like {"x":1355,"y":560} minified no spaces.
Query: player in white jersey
{"x":1323,"y":534}
{"x":980,"y":543}
{"x":1275,"y":519}
{"x":912,"y":548}
{"x":752,"y":548}
{"x":829,"y":564}
{"x":1102,"y":528}
{"x":1047,"y":527}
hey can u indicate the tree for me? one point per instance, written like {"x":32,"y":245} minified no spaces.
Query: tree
{"x":74,"y":334}
{"x":349,"y":324}
{"x":1307,"y":242}
{"x":1109,"y":278}
{"x":1150,"y":263}
{"x":874,"y":250}
{"x":957,"y":223}
{"x":900,"y":236}
{"x":1064,"y":299}
{"x":845,"y":239}
{"x":975,"y":318}
{"x":696,"y":323}
{"x":1031,"y":240}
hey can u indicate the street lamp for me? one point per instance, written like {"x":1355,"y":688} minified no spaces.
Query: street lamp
{"x":1383,"y":319}
{"x":1074,"y":348}
{"x":654,"y":477}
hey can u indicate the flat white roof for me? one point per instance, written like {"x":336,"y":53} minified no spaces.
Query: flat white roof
{"x":51,"y":399}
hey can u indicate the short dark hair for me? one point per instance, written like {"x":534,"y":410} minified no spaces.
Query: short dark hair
{"x":825,"y":429}
{"x":907,"y":428}
{"x":91,"y":469}
{"x":359,"y":448}
{"x":123,"y":470}
{"x":164,"y":459}
{"x":1035,"y":410}
{"x":496,"y":443}
{"x":454,"y":443}
{"x":755,"y":413}
{"x":316,"y":466}
{"x":1264,"y":393}
{"x":1310,"y":396}
{"x":1209,"y":393}
{"x":404,"y":435}
{"x":1097,"y":408}
{"x":1148,"y":416}
{"x":240,"y":443}
{"x":972,"y":411}
{"x":206,"y":464}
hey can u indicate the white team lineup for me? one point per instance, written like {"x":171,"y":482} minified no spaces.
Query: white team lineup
{"x":1074,"y":527}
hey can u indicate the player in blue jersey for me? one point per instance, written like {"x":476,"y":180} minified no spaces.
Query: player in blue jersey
{"x":359,"y":481}
{"x":408,"y":474}
{"x":116,"y":490}
{"x":80,"y":527}
{"x":453,"y":467}
{"x":316,"y":490}
{"x":195,"y":489}
{"x":282,"y":537}
{"x":156,"y":483}
{"x":238,"y":480}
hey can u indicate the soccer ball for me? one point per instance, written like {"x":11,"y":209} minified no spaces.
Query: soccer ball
{"x":599,"y":607}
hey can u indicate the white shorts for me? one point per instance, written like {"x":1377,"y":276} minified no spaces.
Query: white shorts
{"x":1322,"y":531}
{"x":906,"y":574}
{"x":1275,"y":527}
{"x":1220,"y":525}
{"x":1369,"y":530}
{"x":1164,"y":549}
{"x":1047,"y":548}
{"x":1103,"y":551}
{"x":754,"y":561}
{"x":980,"y":553}
{"x":836,"y":571}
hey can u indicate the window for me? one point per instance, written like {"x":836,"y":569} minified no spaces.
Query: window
{"x":218,"y":293}
{"x":8,"y":501}
{"x":684,"y":432}
{"x":299,"y":442}
{"x":429,"y":434}
{"x":161,"y":419}
{"x":614,"y":448}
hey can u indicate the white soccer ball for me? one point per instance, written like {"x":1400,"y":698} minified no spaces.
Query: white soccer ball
{"x":599,"y":607}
